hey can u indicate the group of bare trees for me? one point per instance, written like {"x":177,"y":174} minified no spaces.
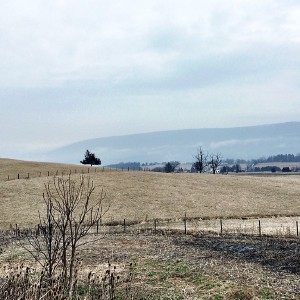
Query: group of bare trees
{"x":204,"y":160}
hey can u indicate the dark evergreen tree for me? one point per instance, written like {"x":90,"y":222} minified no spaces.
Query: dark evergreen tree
{"x":237,"y":168}
{"x":90,"y":159}
{"x":170,"y":166}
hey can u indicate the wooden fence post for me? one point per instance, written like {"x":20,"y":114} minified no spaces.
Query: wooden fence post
{"x":185,"y":225}
{"x":297,"y":228}
{"x":259,"y":228}
{"x":155,"y":226}
{"x":97,"y":226}
{"x":7,"y":177}
{"x":124,"y":225}
{"x":18,"y":176}
{"x":221,"y":225}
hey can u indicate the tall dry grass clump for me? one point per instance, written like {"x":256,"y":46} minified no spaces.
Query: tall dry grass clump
{"x":27,"y":284}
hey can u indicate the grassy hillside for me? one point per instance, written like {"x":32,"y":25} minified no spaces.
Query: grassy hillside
{"x":147,"y":195}
{"x":10,"y":168}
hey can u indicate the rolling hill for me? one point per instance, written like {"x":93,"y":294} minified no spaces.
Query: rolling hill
{"x":240,"y":142}
{"x":138,"y":195}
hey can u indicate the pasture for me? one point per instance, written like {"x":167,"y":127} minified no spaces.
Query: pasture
{"x":140,"y":196}
{"x":168,"y":264}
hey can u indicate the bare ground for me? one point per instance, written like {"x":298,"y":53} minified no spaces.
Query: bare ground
{"x":205,"y":266}
{"x":177,"y":266}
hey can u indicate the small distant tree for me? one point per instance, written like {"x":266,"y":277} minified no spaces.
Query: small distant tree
{"x":201,"y":160}
{"x":215,"y":160}
{"x":224,"y":170}
{"x":171,"y":166}
{"x":237,"y":168}
{"x":90,"y":159}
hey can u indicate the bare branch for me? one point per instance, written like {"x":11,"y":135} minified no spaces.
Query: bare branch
{"x":71,"y":212}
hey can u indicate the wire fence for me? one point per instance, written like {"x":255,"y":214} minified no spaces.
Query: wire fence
{"x":62,"y":172}
{"x":280,"y":227}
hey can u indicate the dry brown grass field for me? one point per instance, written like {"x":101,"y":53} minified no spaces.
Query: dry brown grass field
{"x":170,"y":265}
{"x":10,"y":168}
{"x":138,"y":195}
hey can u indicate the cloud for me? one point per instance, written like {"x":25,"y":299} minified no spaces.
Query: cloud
{"x":226,"y":143}
{"x":124,"y":67}
{"x":68,"y":40}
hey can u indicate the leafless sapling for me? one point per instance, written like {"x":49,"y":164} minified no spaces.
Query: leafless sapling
{"x":71,"y":212}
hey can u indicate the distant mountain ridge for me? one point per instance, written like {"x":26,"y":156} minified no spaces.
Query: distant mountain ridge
{"x":238,"y":143}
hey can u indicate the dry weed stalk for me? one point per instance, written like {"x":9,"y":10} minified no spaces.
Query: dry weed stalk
{"x":27,"y":284}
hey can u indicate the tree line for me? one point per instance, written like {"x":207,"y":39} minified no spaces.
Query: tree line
{"x":283,"y":158}
{"x":269,"y":159}
{"x":203,"y":162}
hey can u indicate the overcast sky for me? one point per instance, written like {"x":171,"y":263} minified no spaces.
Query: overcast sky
{"x":73,"y":70}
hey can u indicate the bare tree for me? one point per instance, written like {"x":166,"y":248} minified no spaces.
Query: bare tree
{"x":201,"y":160}
{"x":70,"y":214}
{"x":215,"y":160}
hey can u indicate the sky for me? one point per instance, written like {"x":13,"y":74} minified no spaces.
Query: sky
{"x":82,"y":69}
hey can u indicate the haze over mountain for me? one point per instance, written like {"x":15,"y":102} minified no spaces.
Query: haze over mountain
{"x":240,"y":142}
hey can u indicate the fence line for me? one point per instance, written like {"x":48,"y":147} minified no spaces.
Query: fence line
{"x":252,"y":227}
{"x":63,"y":172}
